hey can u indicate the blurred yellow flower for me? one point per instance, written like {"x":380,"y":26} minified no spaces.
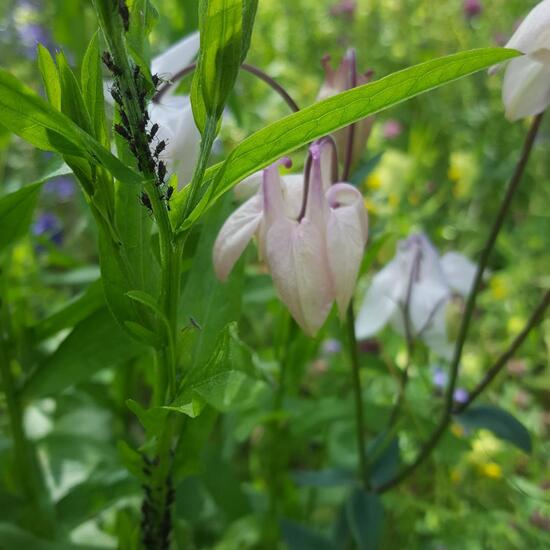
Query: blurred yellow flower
{"x":370,"y":205}
{"x":457,"y":429}
{"x":374,"y":181}
{"x":499,"y":287}
{"x":515,"y":325}
{"x":393,"y":200}
{"x":463,"y":171}
{"x":456,"y":476}
{"x":491,"y":470}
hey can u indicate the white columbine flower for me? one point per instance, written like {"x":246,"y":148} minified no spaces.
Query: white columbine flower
{"x":313,"y":256}
{"x":526,"y":88}
{"x":418,"y":274}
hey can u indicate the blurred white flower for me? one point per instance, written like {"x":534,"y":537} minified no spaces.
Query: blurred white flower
{"x":427,"y":282}
{"x":526,"y":88}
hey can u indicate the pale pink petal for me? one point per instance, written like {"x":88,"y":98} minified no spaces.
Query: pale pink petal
{"x":346,"y":240}
{"x":435,"y":335}
{"x":459,"y":271}
{"x":249,"y":186}
{"x":526,"y":88}
{"x":235,"y":234}
{"x":296,"y":257}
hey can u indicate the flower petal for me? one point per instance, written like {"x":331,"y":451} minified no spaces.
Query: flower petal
{"x":296,"y":257}
{"x":534,"y":32}
{"x":435,"y":335}
{"x":381,"y":301}
{"x":460,"y":272}
{"x":235,"y":234}
{"x":347,"y":229}
{"x":526,"y":88}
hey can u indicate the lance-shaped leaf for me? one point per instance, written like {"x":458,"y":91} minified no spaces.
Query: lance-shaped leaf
{"x":221,"y":26}
{"x":29,"y":116}
{"x":288,"y":134}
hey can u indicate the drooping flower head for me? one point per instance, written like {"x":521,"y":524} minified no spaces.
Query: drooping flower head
{"x":352,"y":139}
{"x":311,"y":232}
{"x":418,"y":283}
{"x":526,"y":88}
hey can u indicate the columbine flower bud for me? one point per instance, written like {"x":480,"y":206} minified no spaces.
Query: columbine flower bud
{"x":472,"y":8}
{"x":526,"y":88}
{"x":352,"y":139}
{"x":313,"y":247}
{"x":419,"y":281}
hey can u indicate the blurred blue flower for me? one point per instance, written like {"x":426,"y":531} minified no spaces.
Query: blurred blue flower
{"x":460,"y":395}
{"x":439,"y":378}
{"x":331,"y":346}
{"x":62,"y":187}
{"x":49,"y":225}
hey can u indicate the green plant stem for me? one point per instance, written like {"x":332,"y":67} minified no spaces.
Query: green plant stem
{"x":27,"y":469}
{"x":358,"y":398}
{"x":446,"y":417}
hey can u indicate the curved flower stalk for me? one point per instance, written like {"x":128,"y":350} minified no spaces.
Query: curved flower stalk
{"x":171,"y":115}
{"x":422,"y":283}
{"x":350,"y":141}
{"x":526,"y":88}
{"x":312,"y":245}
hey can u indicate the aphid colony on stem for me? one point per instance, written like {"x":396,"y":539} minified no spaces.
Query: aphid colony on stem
{"x":148,"y":158}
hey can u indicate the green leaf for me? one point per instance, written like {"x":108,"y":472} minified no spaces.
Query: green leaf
{"x":29,"y":116}
{"x":95,"y":343}
{"x":300,"y":537}
{"x":250,"y":7}
{"x":72,"y":312}
{"x":204,"y":298}
{"x":228,"y":379}
{"x":220,"y":25}
{"x":92,"y":88}
{"x":12,"y":536}
{"x":72,"y":102}
{"x":16,"y":209}
{"x":498,"y":421}
{"x":365,"y":516}
{"x":288,"y":134}
{"x":50,"y":76}
{"x":87,"y":499}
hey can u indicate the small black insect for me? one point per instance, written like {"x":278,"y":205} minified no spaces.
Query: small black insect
{"x":110,"y":64}
{"x":169,"y":193}
{"x":156,"y":79}
{"x":159,"y":148}
{"x":124,"y":13}
{"x":136,"y":73}
{"x":124,"y":119}
{"x":146,"y":201}
{"x":121,"y":131}
{"x":161,"y":171}
{"x":141,"y":97}
{"x":153,"y":132}
{"x":115,"y":94}
{"x":142,"y":124}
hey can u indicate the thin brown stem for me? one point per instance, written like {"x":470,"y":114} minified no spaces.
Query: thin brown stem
{"x":245,"y":67}
{"x":533,"y":321}
{"x":446,"y":418}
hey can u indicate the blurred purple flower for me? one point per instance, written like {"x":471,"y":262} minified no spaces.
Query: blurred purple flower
{"x":62,"y":187}
{"x":460,"y":395}
{"x":392,"y":129}
{"x":439,"y":378}
{"x":344,"y":7}
{"x":49,"y":225}
{"x":472,"y":8}
{"x":331,"y":346}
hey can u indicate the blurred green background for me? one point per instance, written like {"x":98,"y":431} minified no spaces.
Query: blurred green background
{"x":441,"y":164}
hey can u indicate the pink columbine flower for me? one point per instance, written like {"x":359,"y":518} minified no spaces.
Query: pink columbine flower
{"x":313,"y":247}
